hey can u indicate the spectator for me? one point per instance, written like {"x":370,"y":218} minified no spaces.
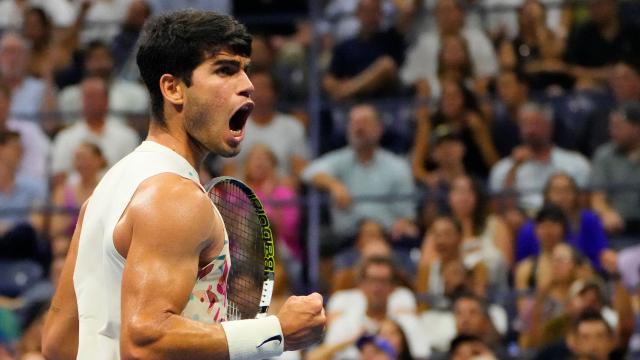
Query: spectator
{"x":280,"y":202}
{"x":445,"y":236}
{"x":364,"y":169}
{"x":126,"y":98}
{"x":444,"y":164}
{"x":536,"y":51}
{"x":35,"y":144}
{"x":535,"y":270}
{"x":532,"y":163}
{"x":115,"y":138}
{"x":596,"y":45}
{"x":459,"y":111}
{"x":551,"y":294}
{"x":266,"y":125}
{"x":616,"y":164}
{"x":366,"y":307}
{"x":486,"y":238}
{"x":18,"y":197}
{"x":469,"y":347}
{"x":367,"y":65}
{"x":89,"y":164}
{"x":422,"y":58}
{"x":589,"y":295}
{"x":513,"y":93}
{"x":105,"y":17}
{"x":123,"y":46}
{"x":592,"y":338}
{"x":469,"y":316}
{"x":30,"y":97}
{"x":221,"y":6}
{"x":584,"y":228}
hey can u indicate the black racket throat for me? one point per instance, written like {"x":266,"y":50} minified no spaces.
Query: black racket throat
{"x":251,"y":247}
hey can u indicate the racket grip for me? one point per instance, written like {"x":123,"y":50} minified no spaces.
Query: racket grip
{"x":254,"y":339}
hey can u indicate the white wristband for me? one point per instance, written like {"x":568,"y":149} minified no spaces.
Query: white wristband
{"x":254,"y":339}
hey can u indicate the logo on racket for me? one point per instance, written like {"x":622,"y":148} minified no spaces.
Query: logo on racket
{"x":267,"y":235}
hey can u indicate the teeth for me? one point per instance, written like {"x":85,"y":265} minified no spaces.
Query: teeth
{"x":236,"y":132}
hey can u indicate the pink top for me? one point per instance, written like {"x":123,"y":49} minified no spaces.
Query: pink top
{"x":284,"y":214}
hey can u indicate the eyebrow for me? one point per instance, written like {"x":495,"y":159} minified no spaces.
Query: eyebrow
{"x":232,"y":62}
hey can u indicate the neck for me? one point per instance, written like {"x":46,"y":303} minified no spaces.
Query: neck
{"x":377,"y":314}
{"x":366,"y":154}
{"x":13,"y":82}
{"x":542,"y":153}
{"x":452,"y":170}
{"x":96,"y":125}
{"x":178,"y":141}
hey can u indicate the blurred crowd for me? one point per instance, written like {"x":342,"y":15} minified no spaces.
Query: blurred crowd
{"x":478,"y":163}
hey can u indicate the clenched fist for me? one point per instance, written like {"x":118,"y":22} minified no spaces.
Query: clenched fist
{"x":302,"y":320}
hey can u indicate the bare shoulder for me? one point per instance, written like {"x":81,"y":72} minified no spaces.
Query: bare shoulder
{"x":168,"y":205}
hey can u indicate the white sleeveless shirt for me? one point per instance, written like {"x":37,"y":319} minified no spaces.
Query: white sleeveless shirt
{"x":97,"y":276}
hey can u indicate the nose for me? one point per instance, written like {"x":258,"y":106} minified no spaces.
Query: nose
{"x":246,"y":86}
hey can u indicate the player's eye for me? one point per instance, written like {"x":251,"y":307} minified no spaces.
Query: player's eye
{"x":227,"y":70}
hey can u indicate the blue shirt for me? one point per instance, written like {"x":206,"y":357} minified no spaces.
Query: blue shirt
{"x":589,"y":238}
{"x":25,"y":193}
{"x":386,"y":174}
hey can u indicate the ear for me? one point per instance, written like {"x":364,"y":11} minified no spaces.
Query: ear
{"x":172,"y":89}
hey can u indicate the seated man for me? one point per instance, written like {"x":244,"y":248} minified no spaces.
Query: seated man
{"x":363,"y":169}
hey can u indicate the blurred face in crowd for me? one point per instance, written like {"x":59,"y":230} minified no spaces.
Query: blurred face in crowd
{"x":261,"y":163}
{"x":462,"y":197}
{"x":11,"y":154}
{"x":535,"y":129}
{"x":531,"y":15}
{"x":377,"y":284}
{"x":563,"y":263}
{"x":448,"y":153}
{"x":625,"y":134}
{"x":36,"y":28}
{"x":449,"y":17}
{"x":511,"y":91}
{"x":454,"y":276}
{"x":370,"y":351}
{"x":137,"y":13}
{"x":88,"y":161}
{"x":264,"y":94}
{"x":603,"y":11}
{"x":472,"y":350}
{"x":370,"y":231}
{"x":14,"y":57}
{"x":592,"y":340}
{"x":99,"y":62}
{"x":261,"y":54}
{"x":625,"y":83}
{"x":549,"y":233}
{"x":452,"y":100}
{"x":587,"y":299}
{"x":453,"y":54}
{"x":470,"y":317}
{"x":562,"y":193}
{"x":446,"y":237}
{"x":369,"y":13}
{"x":95,"y":99}
{"x":364,"y":129}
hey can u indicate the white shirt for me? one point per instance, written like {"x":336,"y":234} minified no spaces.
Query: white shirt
{"x":422,"y":58}
{"x":124,"y":97}
{"x":284,"y":135}
{"x":533,"y":175}
{"x":348,"y":311}
{"x":36,"y":147}
{"x":27,"y":99}
{"x":115,"y":141}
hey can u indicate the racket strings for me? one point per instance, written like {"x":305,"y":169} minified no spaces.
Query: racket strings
{"x":246,"y":250}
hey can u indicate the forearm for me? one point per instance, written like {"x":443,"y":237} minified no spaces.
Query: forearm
{"x":487,"y":149}
{"x":599,"y":203}
{"x":378,"y":74}
{"x":324,"y":181}
{"x":174,"y":338}
{"x":510,"y":179}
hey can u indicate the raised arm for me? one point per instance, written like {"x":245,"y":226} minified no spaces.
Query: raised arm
{"x":60,"y":331}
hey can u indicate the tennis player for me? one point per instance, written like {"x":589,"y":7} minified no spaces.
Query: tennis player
{"x":149,"y":241}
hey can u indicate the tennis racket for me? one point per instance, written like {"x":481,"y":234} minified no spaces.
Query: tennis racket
{"x":251,"y":246}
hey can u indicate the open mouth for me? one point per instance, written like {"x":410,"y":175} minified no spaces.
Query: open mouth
{"x":239,"y":118}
